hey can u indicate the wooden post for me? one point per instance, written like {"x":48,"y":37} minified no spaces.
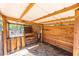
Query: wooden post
{"x":76,"y":34}
{"x":42,"y":29}
{"x":4,"y":35}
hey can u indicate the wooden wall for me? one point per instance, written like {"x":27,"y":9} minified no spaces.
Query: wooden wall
{"x":15,"y":43}
{"x":76,"y":34}
{"x":60,"y":36}
{"x":30,"y":35}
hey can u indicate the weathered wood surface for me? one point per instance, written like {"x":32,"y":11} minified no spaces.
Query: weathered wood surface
{"x":18,"y":43}
{"x":4,"y":35}
{"x":60,"y":36}
{"x":30,"y":38}
{"x":15,"y":43}
{"x":76,"y":34}
{"x":23,"y":42}
{"x":9,"y":45}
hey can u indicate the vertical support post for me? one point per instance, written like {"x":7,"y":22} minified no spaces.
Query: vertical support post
{"x":76,"y":34}
{"x":4,"y":35}
{"x":42,"y":33}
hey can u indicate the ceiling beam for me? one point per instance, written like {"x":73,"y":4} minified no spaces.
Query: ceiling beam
{"x":21,"y":21}
{"x":58,"y":12}
{"x":27,"y":9}
{"x":66,"y":18}
{"x":18,"y":20}
{"x":12,"y":18}
{"x":62,"y":22}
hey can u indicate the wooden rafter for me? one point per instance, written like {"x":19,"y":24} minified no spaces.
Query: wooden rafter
{"x":70,"y":17}
{"x":58,"y":12}
{"x":63,"y":22}
{"x":18,"y":20}
{"x":12,"y":18}
{"x":22,"y":21}
{"x":27,"y":9}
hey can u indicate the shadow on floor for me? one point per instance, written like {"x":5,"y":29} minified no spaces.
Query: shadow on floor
{"x":41,"y":49}
{"x":44,"y":49}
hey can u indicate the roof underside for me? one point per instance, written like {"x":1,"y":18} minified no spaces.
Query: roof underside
{"x":36,"y":11}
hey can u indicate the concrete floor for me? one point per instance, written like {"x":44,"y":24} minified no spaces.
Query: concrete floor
{"x":41,"y":49}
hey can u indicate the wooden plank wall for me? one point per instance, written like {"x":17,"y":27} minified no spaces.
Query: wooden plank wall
{"x":60,"y":36}
{"x":15,"y":44}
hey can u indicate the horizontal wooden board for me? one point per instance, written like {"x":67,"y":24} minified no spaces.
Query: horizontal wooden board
{"x":60,"y":36}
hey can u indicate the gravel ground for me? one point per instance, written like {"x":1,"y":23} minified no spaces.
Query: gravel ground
{"x":41,"y":49}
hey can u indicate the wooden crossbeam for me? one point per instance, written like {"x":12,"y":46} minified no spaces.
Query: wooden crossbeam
{"x":27,"y":9}
{"x":58,"y":12}
{"x":63,"y":22}
{"x":19,"y":20}
{"x":66,"y":18}
{"x":22,"y":21}
{"x":13,"y":19}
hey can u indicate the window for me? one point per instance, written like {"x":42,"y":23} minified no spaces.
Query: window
{"x":15,"y":30}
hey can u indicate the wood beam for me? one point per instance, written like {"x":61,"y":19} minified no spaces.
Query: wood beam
{"x":58,"y":12}
{"x":66,"y":18}
{"x":62,"y":22}
{"x":21,"y":21}
{"x":76,"y":34}
{"x":4,"y":35}
{"x":27,"y":9}
{"x":18,"y":20}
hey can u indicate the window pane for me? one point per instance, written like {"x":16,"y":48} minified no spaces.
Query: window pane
{"x":15,"y":30}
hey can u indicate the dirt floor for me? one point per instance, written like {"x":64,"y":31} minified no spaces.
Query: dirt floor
{"x":41,"y":49}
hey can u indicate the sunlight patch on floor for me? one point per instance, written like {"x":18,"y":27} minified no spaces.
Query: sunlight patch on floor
{"x":40,"y":49}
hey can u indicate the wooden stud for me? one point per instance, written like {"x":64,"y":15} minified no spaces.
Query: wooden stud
{"x":18,"y":43}
{"x":58,"y":12}
{"x":76,"y":34}
{"x":42,"y":32}
{"x":23,"y":41}
{"x":4,"y":34}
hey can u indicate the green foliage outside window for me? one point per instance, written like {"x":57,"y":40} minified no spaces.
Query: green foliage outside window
{"x":15,"y":30}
